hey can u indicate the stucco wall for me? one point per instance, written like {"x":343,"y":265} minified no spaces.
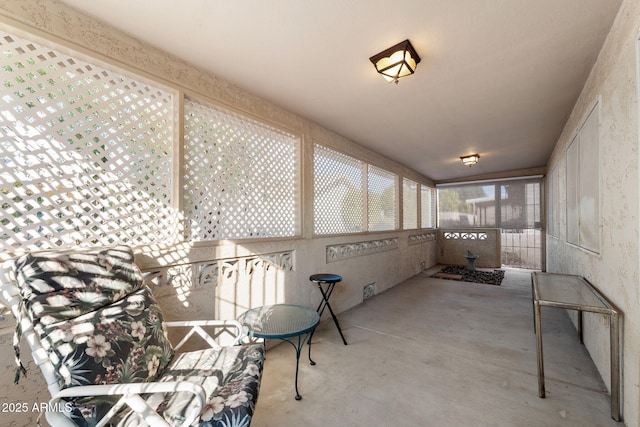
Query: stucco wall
{"x":52,"y":21}
{"x":614,"y":270}
{"x":384,"y":260}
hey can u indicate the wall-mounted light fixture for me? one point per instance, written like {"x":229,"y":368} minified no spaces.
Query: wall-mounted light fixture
{"x":396,"y":62}
{"x":470,"y":160}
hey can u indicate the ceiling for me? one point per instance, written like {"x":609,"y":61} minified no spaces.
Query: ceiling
{"x":497,"y":77}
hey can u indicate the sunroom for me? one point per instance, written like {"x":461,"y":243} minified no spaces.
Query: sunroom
{"x":231,"y":197}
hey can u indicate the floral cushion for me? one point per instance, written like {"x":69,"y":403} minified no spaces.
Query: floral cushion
{"x":231,"y":379}
{"x":94,"y":317}
{"x":101,"y":325}
{"x":230,"y":376}
{"x":60,"y":286}
{"x":120,"y":343}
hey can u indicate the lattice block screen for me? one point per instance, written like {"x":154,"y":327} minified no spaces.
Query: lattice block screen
{"x":409,"y":204}
{"x":241,"y":176}
{"x":85,"y":153}
{"x":381,"y":199}
{"x":338,"y":182}
{"x":427,"y":207}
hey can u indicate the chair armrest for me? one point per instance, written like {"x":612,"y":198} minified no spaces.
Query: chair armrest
{"x":130,"y":393}
{"x":225,"y":326}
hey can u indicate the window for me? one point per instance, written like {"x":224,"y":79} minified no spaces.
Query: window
{"x":583,"y":200}
{"x":409,"y":204}
{"x":350,"y":196}
{"x":553,"y":180}
{"x":573,"y":223}
{"x":427,"y":207}
{"x":241,"y":176}
{"x":504,"y":204}
{"x":86,"y":153}
{"x":381,"y":199}
{"x":338,"y":192}
{"x":514,"y":206}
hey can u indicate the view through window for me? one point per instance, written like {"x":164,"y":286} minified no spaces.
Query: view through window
{"x":514,"y":206}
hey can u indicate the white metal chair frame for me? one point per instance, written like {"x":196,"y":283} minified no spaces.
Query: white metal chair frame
{"x":130,"y":392}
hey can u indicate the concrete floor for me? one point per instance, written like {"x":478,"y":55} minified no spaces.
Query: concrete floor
{"x":433,"y":352}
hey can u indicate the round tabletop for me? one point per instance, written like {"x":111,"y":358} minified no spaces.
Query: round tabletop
{"x":279,"y":321}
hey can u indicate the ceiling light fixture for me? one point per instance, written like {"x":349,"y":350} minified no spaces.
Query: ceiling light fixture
{"x":470,"y":160}
{"x":396,"y":62}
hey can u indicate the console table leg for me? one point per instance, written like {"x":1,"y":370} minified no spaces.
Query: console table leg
{"x":533,"y":306}
{"x":580,"y":334}
{"x":614,"y":332}
{"x":538,"y":328}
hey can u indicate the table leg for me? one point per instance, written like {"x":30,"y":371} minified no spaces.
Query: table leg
{"x":580,"y":334}
{"x":311,"y":362}
{"x":533,"y":305}
{"x":614,"y":332}
{"x":298,"y":347}
{"x":538,"y":328}
{"x":298,"y":397}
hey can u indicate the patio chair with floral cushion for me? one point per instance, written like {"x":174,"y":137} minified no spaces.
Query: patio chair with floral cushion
{"x":99,"y":338}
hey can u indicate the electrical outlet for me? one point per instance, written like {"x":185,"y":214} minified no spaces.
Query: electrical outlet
{"x":369,"y":291}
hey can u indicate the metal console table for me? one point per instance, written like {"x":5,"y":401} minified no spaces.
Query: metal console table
{"x":575,"y":293}
{"x":287,"y":322}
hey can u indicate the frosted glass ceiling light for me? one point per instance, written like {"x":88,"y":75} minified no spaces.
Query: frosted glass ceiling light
{"x":470,"y":160}
{"x":396,"y":62}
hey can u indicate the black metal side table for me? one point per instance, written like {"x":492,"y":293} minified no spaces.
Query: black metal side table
{"x":330,"y":281}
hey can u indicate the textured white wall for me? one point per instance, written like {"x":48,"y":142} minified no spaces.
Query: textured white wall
{"x":614,"y":270}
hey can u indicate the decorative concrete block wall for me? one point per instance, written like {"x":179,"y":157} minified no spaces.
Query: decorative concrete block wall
{"x":224,"y":281}
{"x":453,"y":244}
